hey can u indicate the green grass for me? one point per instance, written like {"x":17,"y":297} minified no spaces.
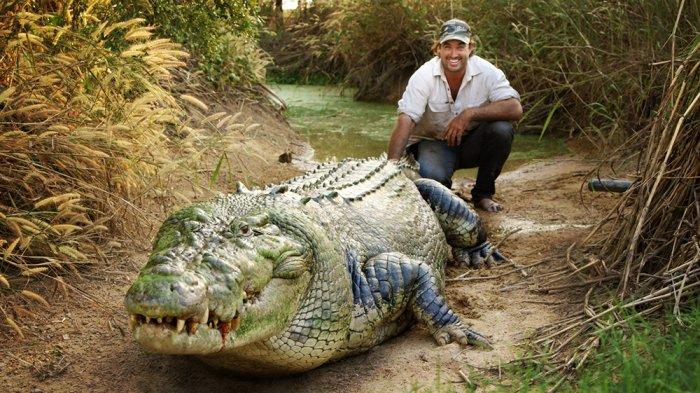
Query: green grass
{"x":650,"y":356}
{"x":654,"y":357}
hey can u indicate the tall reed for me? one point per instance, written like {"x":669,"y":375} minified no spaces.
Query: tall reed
{"x":601,"y":66}
{"x":645,"y":254}
{"x":299,"y":46}
{"x":91,"y":133}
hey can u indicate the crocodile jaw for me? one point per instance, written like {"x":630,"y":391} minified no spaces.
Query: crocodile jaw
{"x":204,"y":340}
{"x":172,"y":335}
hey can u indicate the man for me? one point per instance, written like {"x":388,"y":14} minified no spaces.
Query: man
{"x":456,"y":113}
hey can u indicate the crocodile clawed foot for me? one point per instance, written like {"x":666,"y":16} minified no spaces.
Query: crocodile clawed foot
{"x":476,"y":257}
{"x":457,"y":332}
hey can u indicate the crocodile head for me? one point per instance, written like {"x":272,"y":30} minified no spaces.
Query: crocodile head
{"x":221,"y":275}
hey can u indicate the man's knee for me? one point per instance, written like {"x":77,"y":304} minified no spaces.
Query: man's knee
{"x":501,"y":131}
{"x":436,"y":173}
{"x":437,"y":161}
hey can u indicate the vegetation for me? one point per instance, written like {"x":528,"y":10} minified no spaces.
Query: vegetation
{"x":372,"y":45}
{"x":647,"y":246}
{"x":595,"y":67}
{"x":95,"y":128}
{"x":600,"y":66}
{"x":299,"y":49}
{"x":649,"y":355}
{"x":221,"y":35}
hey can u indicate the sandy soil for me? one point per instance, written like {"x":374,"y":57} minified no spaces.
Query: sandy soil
{"x":82,"y":342}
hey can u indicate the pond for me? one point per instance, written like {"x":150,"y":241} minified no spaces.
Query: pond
{"x":337,"y":126}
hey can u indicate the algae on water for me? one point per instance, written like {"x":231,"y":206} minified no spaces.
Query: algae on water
{"x":337,"y":126}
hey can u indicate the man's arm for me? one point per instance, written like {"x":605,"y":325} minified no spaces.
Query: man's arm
{"x":399,"y":137}
{"x":506,"y":110}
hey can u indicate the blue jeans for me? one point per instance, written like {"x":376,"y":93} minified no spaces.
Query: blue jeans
{"x":486,"y":147}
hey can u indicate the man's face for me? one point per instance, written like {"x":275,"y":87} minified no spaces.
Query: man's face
{"x":453,"y":56}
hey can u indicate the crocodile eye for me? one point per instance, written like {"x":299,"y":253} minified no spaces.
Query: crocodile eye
{"x":245,"y":230}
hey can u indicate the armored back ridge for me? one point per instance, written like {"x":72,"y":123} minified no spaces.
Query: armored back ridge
{"x":283,"y":279}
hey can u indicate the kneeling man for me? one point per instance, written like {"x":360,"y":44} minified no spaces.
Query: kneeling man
{"x":456,"y":113}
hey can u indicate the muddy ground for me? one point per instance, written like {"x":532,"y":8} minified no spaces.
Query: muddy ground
{"x":82,"y":343}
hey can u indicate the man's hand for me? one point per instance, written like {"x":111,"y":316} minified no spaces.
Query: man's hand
{"x":507,"y":110}
{"x":457,"y":127}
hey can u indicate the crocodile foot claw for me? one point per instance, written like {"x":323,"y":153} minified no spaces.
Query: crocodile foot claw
{"x":457,"y":332}
{"x":476,"y":257}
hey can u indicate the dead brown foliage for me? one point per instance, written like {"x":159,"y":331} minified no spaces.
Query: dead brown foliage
{"x":648,"y":246}
{"x":92,"y":133}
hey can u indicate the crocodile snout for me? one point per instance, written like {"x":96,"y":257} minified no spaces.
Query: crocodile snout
{"x":159,"y":296}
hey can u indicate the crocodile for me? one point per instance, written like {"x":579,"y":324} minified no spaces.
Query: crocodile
{"x":282,"y":279}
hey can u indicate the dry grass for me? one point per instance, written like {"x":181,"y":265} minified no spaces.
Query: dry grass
{"x":374,"y":46}
{"x":298,"y":46}
{"x":595,"y":68}
{"x":649,"y":244}
{"x":89,"y":135}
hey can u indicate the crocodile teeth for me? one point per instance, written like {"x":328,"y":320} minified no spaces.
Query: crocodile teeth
{"x":132,"y":321}
{"x":205,"y":318}
{"x":180,"y":325}
{"x":147,"y":319}
{"x":192,"y":326}
{"x":160,"y":320}
{"x":225,"y":328}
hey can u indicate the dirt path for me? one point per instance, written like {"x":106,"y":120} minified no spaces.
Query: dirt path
{"x":82,"y":343}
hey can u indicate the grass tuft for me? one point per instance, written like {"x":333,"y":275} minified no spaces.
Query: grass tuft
{"x":648,"y":355}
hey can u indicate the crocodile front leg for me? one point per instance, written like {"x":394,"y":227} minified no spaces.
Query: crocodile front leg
{"x":462,"y":226}
{"x":391,"y":283}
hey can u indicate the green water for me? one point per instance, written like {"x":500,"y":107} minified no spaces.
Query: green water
{"x":336,"y":126}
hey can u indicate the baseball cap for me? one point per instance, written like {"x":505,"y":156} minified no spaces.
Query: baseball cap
{"x":455,"y":29}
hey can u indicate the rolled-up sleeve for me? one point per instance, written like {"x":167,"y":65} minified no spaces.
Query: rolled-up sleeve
{"x":500,"y":88}
{"x":415,"y":98}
